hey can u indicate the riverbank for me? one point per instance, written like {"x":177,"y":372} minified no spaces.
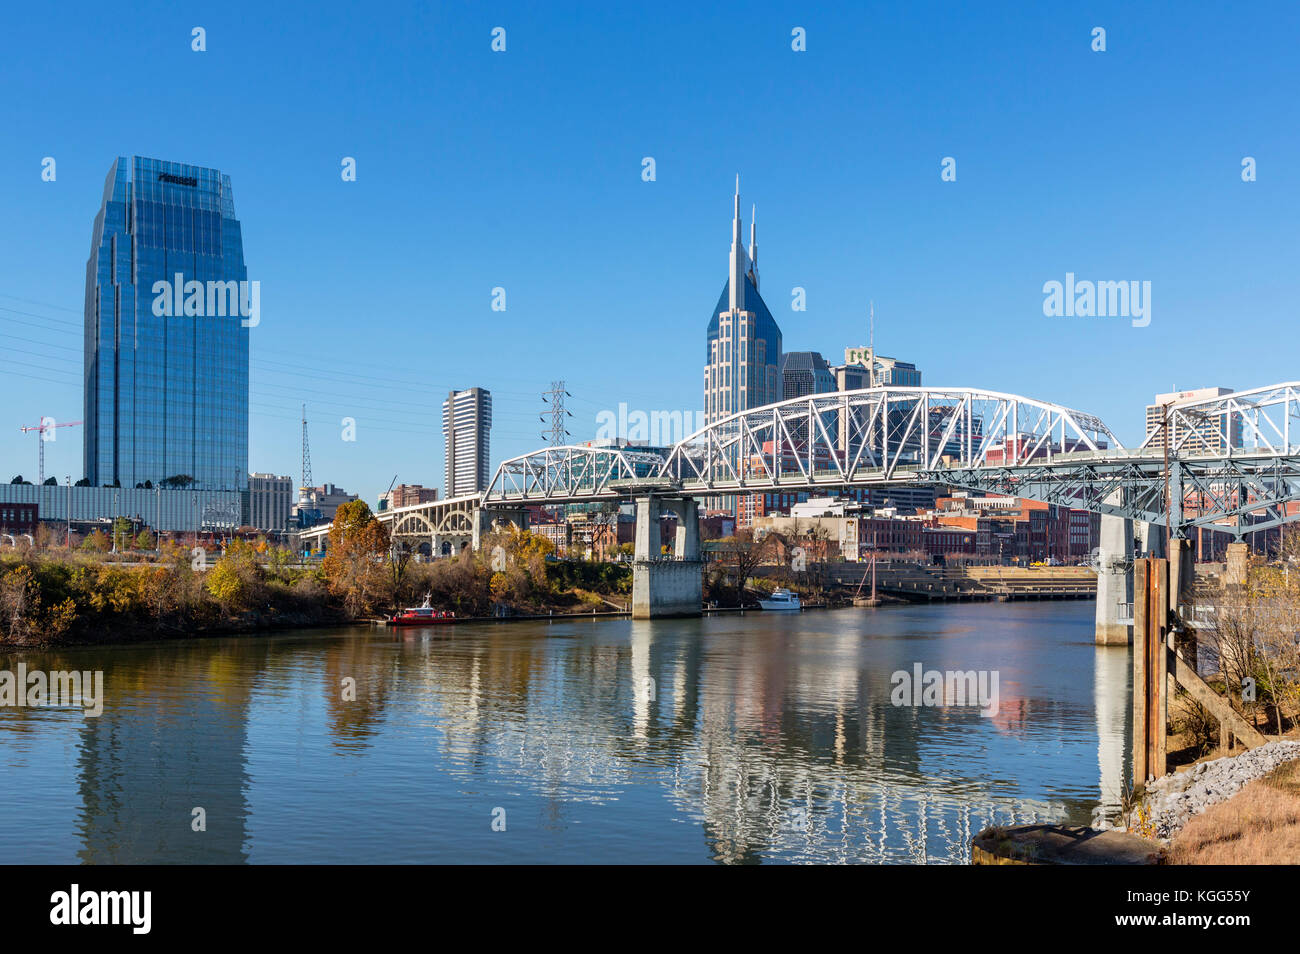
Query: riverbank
{"x":626,"y":614}
{"x":51,"y":598}
{"x":1173,"y":802}
{"x":1259,"y":825}
{"x":1239,"y":809}
{"x":58,"y":598}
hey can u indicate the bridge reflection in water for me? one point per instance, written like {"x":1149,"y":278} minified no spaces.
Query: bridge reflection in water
{"x":723,"y":739}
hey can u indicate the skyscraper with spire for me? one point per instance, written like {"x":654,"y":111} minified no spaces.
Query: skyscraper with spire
{"x":743,"y":352}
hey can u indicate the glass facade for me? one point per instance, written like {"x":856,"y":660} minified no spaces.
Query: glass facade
{"x":166,"y":368}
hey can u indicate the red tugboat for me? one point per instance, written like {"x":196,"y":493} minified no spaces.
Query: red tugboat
{"x":423,"y":615}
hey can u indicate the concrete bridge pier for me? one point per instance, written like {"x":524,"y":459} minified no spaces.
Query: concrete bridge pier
{"x":666,"y":585}
{"x":485,"y":520}
{"x":1115,"y":578}
{"x":1151,"y":539}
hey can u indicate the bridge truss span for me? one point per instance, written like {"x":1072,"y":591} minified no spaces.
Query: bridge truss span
{"x":879,"y":435}
{"x":1261,"y":420}
{"x":1245,"y":479}
{"x":570,"y":474}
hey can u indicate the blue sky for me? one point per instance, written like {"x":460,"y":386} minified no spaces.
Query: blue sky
{"x":522,"y":170}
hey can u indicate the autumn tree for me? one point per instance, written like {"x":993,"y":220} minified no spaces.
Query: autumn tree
{"x":96,"y":541}
{"x":517,"y":559}
{"x":237,"y":577}
{"x":354,"y":563}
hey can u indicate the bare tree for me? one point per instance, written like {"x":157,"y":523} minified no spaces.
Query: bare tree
{"x":741,"y":553}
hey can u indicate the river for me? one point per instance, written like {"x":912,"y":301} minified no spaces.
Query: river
{"x":732,"y":739}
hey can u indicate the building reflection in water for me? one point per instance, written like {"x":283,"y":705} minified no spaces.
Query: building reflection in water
{"x":171,"y":739}
{"x":781,"y":745}
{"x":763,"y":739}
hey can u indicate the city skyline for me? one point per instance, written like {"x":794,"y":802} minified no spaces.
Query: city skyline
{"x":956,"y":269}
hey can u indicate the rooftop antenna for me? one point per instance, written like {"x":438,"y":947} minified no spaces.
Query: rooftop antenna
{"x":871,"y":343}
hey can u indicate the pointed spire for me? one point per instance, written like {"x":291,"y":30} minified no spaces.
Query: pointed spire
{"x":736,"y":279}
{"x":753,"y":243}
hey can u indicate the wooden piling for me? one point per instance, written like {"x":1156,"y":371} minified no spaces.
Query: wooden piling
{"x":1150,"y":669}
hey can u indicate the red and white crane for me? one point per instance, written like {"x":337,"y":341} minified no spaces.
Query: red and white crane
{"x":47,"y":425}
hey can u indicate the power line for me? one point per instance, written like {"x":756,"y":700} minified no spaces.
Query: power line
{"x":43,"y":304}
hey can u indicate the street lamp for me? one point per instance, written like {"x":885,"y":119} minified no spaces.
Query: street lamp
{"x":68,"y":480}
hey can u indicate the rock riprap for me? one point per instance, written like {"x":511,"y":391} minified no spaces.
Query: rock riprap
{"x":1172,"y":800}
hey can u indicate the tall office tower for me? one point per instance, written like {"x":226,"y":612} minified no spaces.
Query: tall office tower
{"x":743,"y":350}
{"x":168,"y":308}
{"x":466,"y":428}
{"x":1213,"y":434}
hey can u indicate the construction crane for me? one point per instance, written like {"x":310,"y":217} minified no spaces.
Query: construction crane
{"x":47,"y":425}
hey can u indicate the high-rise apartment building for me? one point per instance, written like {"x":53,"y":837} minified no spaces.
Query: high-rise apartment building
{"x":466,"y":429}
{"x":743,"y":343}
{"x":1213,"y":434}
{"x":168,"y":308}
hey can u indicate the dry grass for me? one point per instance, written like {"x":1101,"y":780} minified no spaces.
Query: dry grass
{"x":1194,"y":733}
{"x":1260,"y":825}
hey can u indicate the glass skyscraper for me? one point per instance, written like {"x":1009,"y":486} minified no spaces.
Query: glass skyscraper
{"x":166,"y":349}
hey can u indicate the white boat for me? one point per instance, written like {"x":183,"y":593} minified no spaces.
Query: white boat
{"x":781,"y":599}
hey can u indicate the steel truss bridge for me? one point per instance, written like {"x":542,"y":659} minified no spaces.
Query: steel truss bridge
{"x":1233,"y":461}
